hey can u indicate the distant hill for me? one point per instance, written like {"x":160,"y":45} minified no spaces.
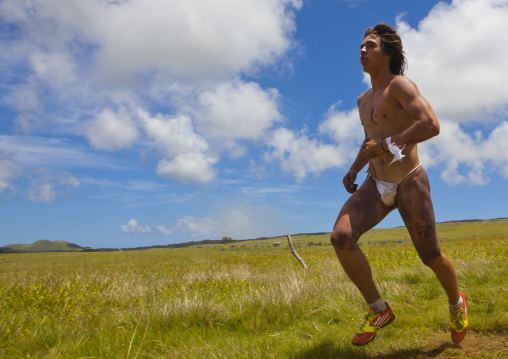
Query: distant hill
{"x":43,"y":246}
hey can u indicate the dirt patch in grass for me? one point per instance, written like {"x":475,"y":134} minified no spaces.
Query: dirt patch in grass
{"x":480,"y":345}
{"x":474,"y":345}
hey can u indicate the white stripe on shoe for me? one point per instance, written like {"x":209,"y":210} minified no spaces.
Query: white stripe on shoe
{"x":380,"y":320}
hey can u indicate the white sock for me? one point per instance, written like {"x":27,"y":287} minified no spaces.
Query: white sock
{"x":457,"y":306}
{"x":379,"y":306}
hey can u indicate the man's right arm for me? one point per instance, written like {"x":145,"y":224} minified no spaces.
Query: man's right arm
{"x":359,"y":163}
{"x":350,"y":177}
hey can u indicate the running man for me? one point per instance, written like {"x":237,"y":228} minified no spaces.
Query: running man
{"x":395,"y":117}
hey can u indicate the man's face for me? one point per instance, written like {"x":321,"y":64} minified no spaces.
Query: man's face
{"x":372,"y":56}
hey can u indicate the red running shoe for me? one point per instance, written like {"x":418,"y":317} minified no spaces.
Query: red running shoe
{"x":373,"y":322}
{"x":460,"y":322}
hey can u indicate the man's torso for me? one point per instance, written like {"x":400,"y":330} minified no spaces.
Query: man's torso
{"x":382,"y":116}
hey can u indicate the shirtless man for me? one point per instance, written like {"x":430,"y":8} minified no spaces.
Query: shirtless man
{"x":395,"y":117}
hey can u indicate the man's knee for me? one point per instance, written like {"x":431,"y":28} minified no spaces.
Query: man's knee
{"x":431,"y":259}
{"x":425,"y":241}
{"x":343,"y":239}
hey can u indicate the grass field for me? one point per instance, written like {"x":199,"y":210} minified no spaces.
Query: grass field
{"x":251,"y":302}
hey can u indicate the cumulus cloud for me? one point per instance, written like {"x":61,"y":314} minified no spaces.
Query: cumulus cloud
{"x":173,"y":134}
{"x":133,"y":227}
{"x":496,"y":148}
{"x":455,"y":59}
{"x":104,"y":69}
{"x":186,"y":152}
{"x":301,"y":155}
{"x":467,"y":158}
{"x":113,"y":63}
{"x":187,"y":167}
{"x":345,"y":128}
{"x":234,"y":110}
{"x":194,"y":38}
{"x":112,"y":131}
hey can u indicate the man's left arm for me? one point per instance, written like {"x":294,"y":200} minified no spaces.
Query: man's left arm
{"x":424,"y":127}
{"x":418,"y":108}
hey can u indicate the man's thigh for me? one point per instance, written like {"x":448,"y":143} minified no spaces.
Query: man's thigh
{"x":362,"y":211}
{"x":415,"y":207}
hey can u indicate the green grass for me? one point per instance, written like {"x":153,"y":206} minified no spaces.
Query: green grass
{"x":252,"y":302}
{"x":447,"y":231}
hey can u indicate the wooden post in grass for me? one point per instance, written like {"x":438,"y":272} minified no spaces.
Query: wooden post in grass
{"x":293,"y":251}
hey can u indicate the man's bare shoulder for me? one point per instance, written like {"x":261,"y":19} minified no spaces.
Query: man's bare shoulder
{"x":402,"y":86}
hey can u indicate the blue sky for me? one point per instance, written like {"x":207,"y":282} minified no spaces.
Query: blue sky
{"x":146,"y":122}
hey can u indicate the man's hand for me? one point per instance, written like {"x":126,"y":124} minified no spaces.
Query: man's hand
{"x":349,"y":182}
{"x":372,"y":148}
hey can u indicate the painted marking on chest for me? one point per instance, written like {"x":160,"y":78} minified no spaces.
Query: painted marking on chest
{"x":372,"y":116}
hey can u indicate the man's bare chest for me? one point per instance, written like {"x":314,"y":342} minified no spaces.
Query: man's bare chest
{"x":378,"y":112}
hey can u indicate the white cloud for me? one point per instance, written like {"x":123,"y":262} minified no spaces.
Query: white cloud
{"x":133,"y":227}
{"x":186,"y":152}
{"x":189,"y":58}
{"x":300,"y":155}
{"x":46,"y":187}
{"x":191,"y":38}
{"x":194,"y":38}
{"x":188,"y":167}
{"x":496,"y":148}
{"x":345,"y":128}
{"x":173,"y":134}
{"x":455,"y":58}
{"x":94,"y":57}
{"x":235,"y":110}
{"x":467,"y":158}
{"x":112,"y":131}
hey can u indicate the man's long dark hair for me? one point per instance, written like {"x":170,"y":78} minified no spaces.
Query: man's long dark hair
{"x":391,"y":44}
